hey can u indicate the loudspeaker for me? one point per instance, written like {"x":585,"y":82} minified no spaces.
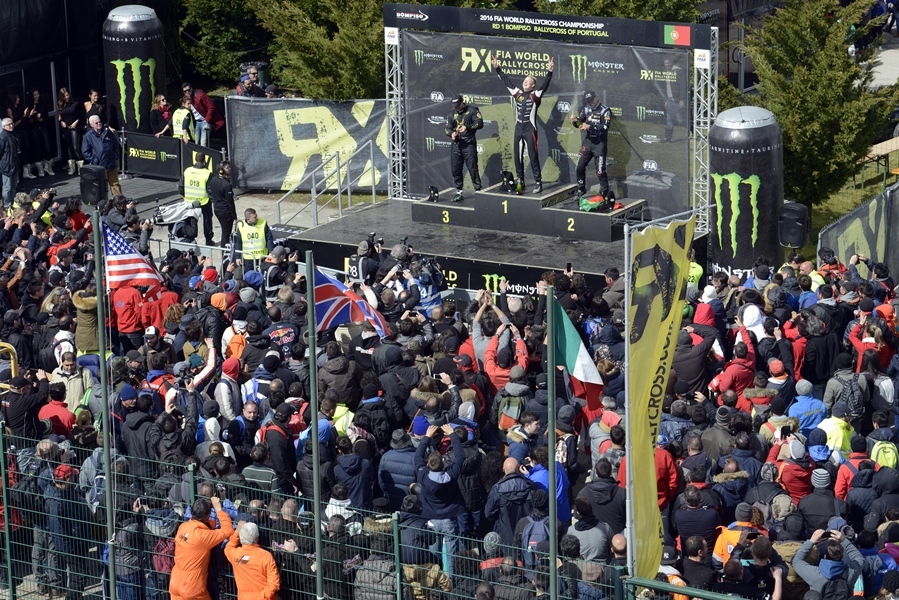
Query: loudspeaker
{"x":93,"y":185}
{"x":793,"y":225}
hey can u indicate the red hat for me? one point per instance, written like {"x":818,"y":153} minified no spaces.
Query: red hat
{"x":65,"y":473}
{"x":776,"y":368}
{"x":210,"y":274}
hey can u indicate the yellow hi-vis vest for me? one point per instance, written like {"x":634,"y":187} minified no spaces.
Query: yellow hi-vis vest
{"x":177,"y":120}
{"x":252,"y":238}
{"x":195,"y":181}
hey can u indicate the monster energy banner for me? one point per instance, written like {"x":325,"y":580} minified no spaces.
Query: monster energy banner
{"x":871,"y":229}
{"x":153,"y":156}
{"x":135,"y":65}
{"x":275,"y":144}
{"x":746,"y":165}
{"x":646,"y":89}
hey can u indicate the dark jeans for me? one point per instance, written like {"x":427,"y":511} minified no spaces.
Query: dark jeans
{"x":207,"y":223}
{"x":226,"y":222}
{"x":71,"y":144}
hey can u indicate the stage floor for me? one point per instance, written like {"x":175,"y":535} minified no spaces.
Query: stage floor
{"x":475,"y":251}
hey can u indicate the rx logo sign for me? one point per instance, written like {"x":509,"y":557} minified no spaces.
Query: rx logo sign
{"x":476,"y":60}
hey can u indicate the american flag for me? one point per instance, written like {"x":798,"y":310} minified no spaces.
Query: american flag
{"x":337,"y":305}
{"x":124,"y":265}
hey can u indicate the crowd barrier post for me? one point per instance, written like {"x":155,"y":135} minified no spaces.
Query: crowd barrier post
{"x":314,"y":410}
{"x":192,"y":476}
{"x":7,"y":514}
{"x":397,"y":562}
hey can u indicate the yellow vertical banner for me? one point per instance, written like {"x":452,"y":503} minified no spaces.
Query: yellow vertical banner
{"x":658,"y":278}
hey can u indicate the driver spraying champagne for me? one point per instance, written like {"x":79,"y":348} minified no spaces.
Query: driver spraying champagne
{"x":527,"y":101}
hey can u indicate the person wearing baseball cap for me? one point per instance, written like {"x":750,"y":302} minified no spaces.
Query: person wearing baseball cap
{"x":461,"y":126}
{"x":593,"y":119}
{"x":24,"y":404}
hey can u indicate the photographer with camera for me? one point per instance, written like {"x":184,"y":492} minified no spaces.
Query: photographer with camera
{"x":117,"y":210}
{"x":884,"y":286}
{"x":392,"y":304}
{"x":364,"y":264}
{"x":137,"y":233}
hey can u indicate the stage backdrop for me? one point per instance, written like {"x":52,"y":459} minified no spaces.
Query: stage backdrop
{"x":274,"y":143}
{"x":631,"y":80}
{"x":871,"y":229}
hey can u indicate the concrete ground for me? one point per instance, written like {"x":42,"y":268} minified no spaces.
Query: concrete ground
{"x":887,"y":72}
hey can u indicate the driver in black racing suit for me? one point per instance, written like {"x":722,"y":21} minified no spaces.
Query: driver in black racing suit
{"x":593,"y":119}
{"x":527,"y":101}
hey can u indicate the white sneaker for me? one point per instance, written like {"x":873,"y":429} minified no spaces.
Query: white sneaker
{"x":26,"y":172}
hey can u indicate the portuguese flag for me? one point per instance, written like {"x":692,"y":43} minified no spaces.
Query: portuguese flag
{"x":677,"y":35}
{"x":571,"y":354}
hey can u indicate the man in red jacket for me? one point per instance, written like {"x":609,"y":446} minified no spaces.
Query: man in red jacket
{"x":127,"y":306}
{"x":739,"y":373}
{"x":205,"y":116}
{"x":667,"y":477}
{"x":849,"y":468}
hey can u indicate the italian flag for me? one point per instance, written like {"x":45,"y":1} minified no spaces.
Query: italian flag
{"x":571,"y":354}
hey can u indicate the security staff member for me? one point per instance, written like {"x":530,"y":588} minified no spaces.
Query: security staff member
{"x":254,"y":239}
{"x":195,"y":189}
{"x":527,"y":101}
{"x":593,"y":119}
{"x":183,"y":121}
{"x":461,"y":126}
{"x":222,"y":195}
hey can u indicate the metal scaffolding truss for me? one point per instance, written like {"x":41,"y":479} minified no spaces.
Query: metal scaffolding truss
{"x":396,"y":121}
{"x":705,"y":109}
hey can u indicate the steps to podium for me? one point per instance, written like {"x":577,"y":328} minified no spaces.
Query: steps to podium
{"x":553,"y":212}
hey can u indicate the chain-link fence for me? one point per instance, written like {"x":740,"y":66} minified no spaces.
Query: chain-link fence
{"x":56,"y":541}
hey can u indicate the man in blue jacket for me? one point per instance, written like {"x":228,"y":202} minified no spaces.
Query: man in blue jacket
{"x":101,"y":147}
{"x":441,"y":500}
{"x":396,"y":471}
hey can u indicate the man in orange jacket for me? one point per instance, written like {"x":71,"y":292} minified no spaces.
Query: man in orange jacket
{"x":193,"y":542}
{"x":255,"y":571}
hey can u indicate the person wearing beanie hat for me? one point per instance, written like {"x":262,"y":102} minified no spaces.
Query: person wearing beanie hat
{"x":809,"y":410}
{"x":717,"y":440}
{"x":821,"y":505}
{"x":838,"y":428}
{"x":794,"y":466}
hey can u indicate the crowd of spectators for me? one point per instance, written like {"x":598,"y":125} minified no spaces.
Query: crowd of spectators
{"x":776,"y":462}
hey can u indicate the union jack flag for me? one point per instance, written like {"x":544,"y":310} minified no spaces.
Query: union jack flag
{"x":124,"y":265}
{"x":337,"y":305}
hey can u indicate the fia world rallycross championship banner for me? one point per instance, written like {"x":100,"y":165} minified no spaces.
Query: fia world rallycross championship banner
{"x":275,"y":143}
{"x":658,"y":276}
{"x":153,"y":156}
{"x":635,"y":82}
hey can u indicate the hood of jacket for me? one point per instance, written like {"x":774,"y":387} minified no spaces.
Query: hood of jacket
{"x":259,"y":341}
{"x":863,"y":479}
{"x":759,"y":393}
{"x":729,"y":477}
{"x":819,"y":453}
{"x":337,"y":365}
{"x":831,"y":569}
{"x":610,"y":335}
{"x":351,"y":463}
{"x":517,"y":389}
{"x":892,"y":549}
{"x":136,"y":419}
{"x":603,"y":490}
{"x":704,"y":315}
{"x":84,"y":303}
{"x":515,"y":487}
{"x":884,"y":434}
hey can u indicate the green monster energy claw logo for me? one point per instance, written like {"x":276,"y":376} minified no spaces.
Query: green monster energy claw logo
{"x":121,"y":66}
{"x":556,"y":154}
{"x":419,"y":57}
{"x":429,"y":143}
{"x":734,"y":181}
{"x":491,"y":282}
{"x":641,"y":113}
{"x":578,"y":67}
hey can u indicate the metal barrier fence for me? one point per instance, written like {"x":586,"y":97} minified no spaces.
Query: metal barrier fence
{"x":56,"y":542}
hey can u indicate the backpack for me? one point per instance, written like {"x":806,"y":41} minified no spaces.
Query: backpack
{"x":851,"y":394}
{"x":379,"y":421}
{"x":765,"y":507}
{"x":46,"y":358}
{"x":532,"y":535}
{"x":263,"y":432}
{"x":164,"y":556}
{"x":510,"y":409}
{"x":158,"y":390}
{"x":885,"y":454}
{"x":236,"y":345}
{"x":562,"y":450}
{"x":890,"y":293}
{"x":96,"y":494}
{"x":883,"y":396}
{"x":836,"y":589}
{"x":27,"y":496}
